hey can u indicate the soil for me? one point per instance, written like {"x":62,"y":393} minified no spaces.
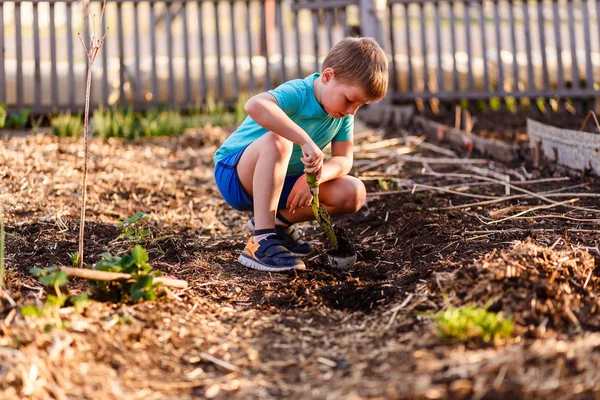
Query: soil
{"x":321,"y":333}
{"x":344,"y":248}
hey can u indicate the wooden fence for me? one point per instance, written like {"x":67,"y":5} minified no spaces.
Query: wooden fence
{"x":184,"y":54}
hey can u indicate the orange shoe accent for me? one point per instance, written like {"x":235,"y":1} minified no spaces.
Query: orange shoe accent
{"x":251,"y":247}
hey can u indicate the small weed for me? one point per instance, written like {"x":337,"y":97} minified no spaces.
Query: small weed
{"x":472,"y":323}
{"x":18,"y":120}
{"x":240,"y":112}
{"x":511,"y":104}
{"x":55,"y":278}
{"x":134,"y":228}
{"x":3,"y":115}
{"x":141,"y":287}
{"x":66,"y":125}
{"x":495,"y":103}
{"x":162,"y":123}
{"x":541,"y":104}
{"x":385,"y":185}
{"x":74,"y":259}
{"x":115,"y":123}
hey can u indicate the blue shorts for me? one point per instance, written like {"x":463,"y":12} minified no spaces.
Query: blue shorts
{"x":231,"y":188}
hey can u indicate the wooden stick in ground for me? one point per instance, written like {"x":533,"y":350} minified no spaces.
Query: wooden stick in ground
{"x":119,"y":276}
{"x":96,"y":42}
{"x":457,"y":115}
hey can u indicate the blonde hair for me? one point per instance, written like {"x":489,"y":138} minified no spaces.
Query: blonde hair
{"x":359,"y":62}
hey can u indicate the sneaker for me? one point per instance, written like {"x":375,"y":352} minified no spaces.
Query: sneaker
{"x":290,"y":239}
{"x":269,"y":255}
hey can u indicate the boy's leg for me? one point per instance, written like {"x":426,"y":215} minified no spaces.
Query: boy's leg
{"x":345,"y":195}
{"x":261,"y":170}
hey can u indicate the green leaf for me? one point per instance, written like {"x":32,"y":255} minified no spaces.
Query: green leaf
{"x":56,"y":300}
{"x":109,"y":263}
{"x":140,"y":256}
{"x":134,"y":218}
{"x":106,"y":256}
{"x":128,"y":264}
{"x":80,"y":301}
{"x":30,"y":311}
{"x":58,"y":278}
{"x":143,"y":289}
{"x":36,"y":271}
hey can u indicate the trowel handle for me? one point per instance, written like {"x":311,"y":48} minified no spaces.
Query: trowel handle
{"x":313,"y":184}
{"x":312,"y":180}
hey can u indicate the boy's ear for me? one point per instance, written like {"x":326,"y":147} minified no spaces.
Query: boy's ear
{"x":327,"y":75}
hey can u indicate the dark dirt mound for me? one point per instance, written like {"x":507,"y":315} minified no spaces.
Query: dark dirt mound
{"x":541,"y":287}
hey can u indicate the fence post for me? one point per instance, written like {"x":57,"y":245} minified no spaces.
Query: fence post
{"x":371,"y":19}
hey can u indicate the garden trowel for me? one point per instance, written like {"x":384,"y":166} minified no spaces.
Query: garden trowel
{"x":320,"y":212}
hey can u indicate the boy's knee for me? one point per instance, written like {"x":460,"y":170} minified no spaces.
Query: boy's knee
{"x":355,"y":196}
{"x":275,"y":143}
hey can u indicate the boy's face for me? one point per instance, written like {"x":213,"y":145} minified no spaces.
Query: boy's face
{"x":339,"y":99}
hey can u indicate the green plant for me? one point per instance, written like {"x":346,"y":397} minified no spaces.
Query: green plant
{"x":54,"y":277}
{"x":495,"y":104}
{"x":66,"y":125}
{"x":135,"y":227}
{"x":472,"y":323}
{"x":541,"y":104}
{"x":140,"y":287}
{"x":511,"y":104}
{"x":161,"y":123}
{"x":74,"y":259}
{"x":240,"y":112}
{"x":2,"y":115}
{"x":122,"y":123}
{"x":51,"y":276}
{"x":18,"y":120}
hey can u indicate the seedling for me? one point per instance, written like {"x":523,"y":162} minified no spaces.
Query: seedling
{"x":473,"y":323}
{"x":134,"y":228}
{"x":74,"y":259}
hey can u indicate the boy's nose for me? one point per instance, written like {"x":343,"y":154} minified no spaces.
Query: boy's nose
{"x":352,"y":110}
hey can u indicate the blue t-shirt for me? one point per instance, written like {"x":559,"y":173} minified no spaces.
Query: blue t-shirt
{"x":297,"y":99}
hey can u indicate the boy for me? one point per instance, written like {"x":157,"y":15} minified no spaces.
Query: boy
{"x":262,"y":166}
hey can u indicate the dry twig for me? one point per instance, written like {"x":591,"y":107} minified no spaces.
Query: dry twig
{"x":96,"y":42}
{"x":96,"y":275}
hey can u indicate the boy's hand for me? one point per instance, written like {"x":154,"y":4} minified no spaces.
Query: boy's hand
{"x":312,"y":158}
{"x":300,"y":196}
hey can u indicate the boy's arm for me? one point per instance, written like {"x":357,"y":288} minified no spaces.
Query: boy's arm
{"x":340,"y":162}
{"x":337,"y":166}
{"x":265,"y":111}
